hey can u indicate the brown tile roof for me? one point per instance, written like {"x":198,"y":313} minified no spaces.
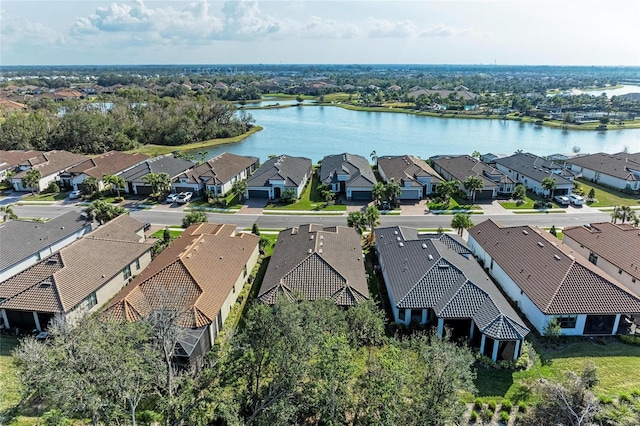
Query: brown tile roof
{"x":616,"y":165}
{"x":14,"y":158}
{"x":195,"y":273}
{"x":52,"y":162}
{"x":219,"y":170}
{"x":407,"y":167}
{"x":546,"y":270}
{"x":109,"y":163}
{"x":316,"y":263}
{"x":61,"y":281}
{"x":10,"y":105}
{"x":618,"y":244}
{"x":122,"y":228}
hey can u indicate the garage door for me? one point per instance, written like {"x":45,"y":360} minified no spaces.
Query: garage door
{"x":361,"y":195}
{"x":484,"y":195}
{"x":412,"y":194}
{"x":143,"y":190}
{"x":256,"y":193}
{"x":179,"y":189}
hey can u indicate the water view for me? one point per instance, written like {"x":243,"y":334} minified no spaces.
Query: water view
{"x":316,"y":131}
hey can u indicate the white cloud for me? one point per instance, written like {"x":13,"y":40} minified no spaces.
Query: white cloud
{"x":19,"y":30}
{"x":382,"y":28}
{"x":327,"y":28}
{"x":442,"y":30}
{"x":243,"y":19}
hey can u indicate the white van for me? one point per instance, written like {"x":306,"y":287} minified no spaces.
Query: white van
{"x":576,"y":199}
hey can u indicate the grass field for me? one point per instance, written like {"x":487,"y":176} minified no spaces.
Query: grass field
{"x":608,"y":197}
{"x":618,"y":369}
{"x":310,"y":200}
{"x":9,"y":387}
{"x":455,"y":203}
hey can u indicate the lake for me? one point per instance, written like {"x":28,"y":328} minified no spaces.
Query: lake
{"x":316,"y":131}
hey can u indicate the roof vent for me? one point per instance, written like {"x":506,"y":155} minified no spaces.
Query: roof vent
{"x":556,"y":257}
{"x":401,"y":244}
{"x":424,"y":246}
{"x":443,"y":266}
{"x":395,"y":232}
{"x":430,"y":257}
{"x":320,"y":251}
{"x":398,"y":238}
{"x":524,"y":231}
{"x":311,"y":237}
{"x":45,"y":284}
{"x":540,"y":244}
{"x":52,"y":262}
{"x":309,"y":251}
{"x":322,"y":237}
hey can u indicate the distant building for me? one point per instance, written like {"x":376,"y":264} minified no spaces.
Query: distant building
{"x":620,"y":171}
{"x":348,"y":174}
{"x":463,"y":166}
{"x":278,"y":174}
{"x":416,"y":178}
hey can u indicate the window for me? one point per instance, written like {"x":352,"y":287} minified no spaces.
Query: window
{"x":491,"y":265}
{"x":633,"y":280}
{"x":91,"y":300}
{"x":593,"y":258}
{"x":244,"y":271}
{"x":126,"y":272}
{"x":620,"y":271}
{"x":401,"y":314}
{"x":567,"y":321}
{"x":137,"y":264}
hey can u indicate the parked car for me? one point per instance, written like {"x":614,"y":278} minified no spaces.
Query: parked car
{"x":171,"y":198}
{"x":576,"y":199}
{"x":146,"y":226}
{"x":562,"y":200}
{"x":184,"y":197}
{"x":75,"y":194}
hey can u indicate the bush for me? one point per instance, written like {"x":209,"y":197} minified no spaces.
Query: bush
{"x":52,"y":188}
{"x":605,"y":399}
{"x":542,"y":205}
{"x":624,"y":397}
{"x":193,"y":217}
{"x":478,"y":404}
{"x":55,"y":417}
{"x":504,"y":416}
{"x":631,"y":340}
{"x":118,"y":199}
{"x":474,"y":416}
{"x":522,"y":407}
{"x":487,"y":415}
{"x":492,"y":405}
{"x":148,"y":417}
{"x":507,"y":405}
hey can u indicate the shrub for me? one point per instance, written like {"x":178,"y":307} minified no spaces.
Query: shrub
{"x":487,"y":415}
{"x":118,"y":199}
{"x":624,"y":397}
{"x":478,"y":404}
{"x":631,"y":340}
{"x":193,"y":217}
{"x":55,"y":417}
{"x":504,"y":416}
{"x":492,"y":405}
{"x":148,"y":417}
{"x":605,"y":399}
{"x":474,"y":416}
{"x":522,"y":407}
{"x":52,"y":188}
{"x":635,"y":393}
{"x":507,"y":405}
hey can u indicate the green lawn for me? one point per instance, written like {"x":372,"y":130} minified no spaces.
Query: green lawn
{"x":9,"y":386}
{"x":310,"y":200}
{"x":608,"y":197}
{"x":529,"y":201}
{"x":618,"y":369}
{"x":455,"y":203}
{"x":175,"y":233}
{"x":45,"y":197}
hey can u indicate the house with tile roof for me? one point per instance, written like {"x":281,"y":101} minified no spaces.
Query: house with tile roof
{"x":199,"y":276}
{"x":25,"y":243}
{"x":613,"y":247}
{"x":51,"y":165}
{"x":531,"y":170}
{"x":434,"y":279}
{"x":278,"y":174}
{"x":11,"y":160}
{"x":547,"y":279}
{"x":163,"y":164}
{"x":216,"y":175}
{"x":417,"y":179}
{"x":78,"y":278}
{"x":461,"y":167}
{"x":348,"y":174}
{"x":620,"y":170}
{"x":109,"y":163}
{"x":311,"y":262}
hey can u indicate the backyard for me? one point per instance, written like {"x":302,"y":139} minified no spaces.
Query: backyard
{"x":607,"y":197}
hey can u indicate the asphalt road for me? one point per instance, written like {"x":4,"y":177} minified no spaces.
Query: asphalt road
{"x":174,"y":217}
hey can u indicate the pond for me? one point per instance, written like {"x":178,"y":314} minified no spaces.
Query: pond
{"x":315,"y":131}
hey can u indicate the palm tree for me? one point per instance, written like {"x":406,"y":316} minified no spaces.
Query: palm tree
{"x":374,"y":156}
{"x":372,"y":217}
{"x":476,"y":155}
{"x":448,"y":188}
{"x":615,"y":214}
{"x":626,"y":214}
{"x":91,"y":185}
{"x":114,"y":182}
{"x":377,"y":192}
{"x":238,"y":188}
{"x":102,"y":212}
{"x":392,"y":191}
{"x":32,"y":180}
{"x":8,"y":213}
{"x":461,"y":221}
{"x":357,"y":220}
{"x":473,"y":184}
{"x":160,"y":183}
{"x":549,"y":184}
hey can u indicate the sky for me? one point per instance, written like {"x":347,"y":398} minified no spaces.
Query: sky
{"x":508,"y":32}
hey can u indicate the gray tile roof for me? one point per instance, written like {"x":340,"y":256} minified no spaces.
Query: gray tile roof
{"x":218,"y":170}
{"x":164,"y":164}
{"x":61,"y":281}
{"x":617,"y":165}
{"x":536,"y":168}
{"x":21,"y":239}
{"x":109,"y":163}
{"x":424,"y":272}
{"x":312,"y":262}
{"x":407,"y":168}
{"x":547,"y":271}
{"x":290,"y":169}
{"x":356,"y":167}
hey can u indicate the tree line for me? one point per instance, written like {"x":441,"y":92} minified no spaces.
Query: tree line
{"x":121,"y":124}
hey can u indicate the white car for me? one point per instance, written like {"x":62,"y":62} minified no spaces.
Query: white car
{"x":75,"y":194}
{"x":562,"y":200}
{"x":576,"y":199}
{"x":171,"y":198}
{"x":184,"y":197}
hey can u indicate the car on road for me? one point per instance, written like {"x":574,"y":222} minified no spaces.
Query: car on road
{"x":75,"y":194}
{"x":171,"y":198}
{"x":184,"y":197}
{"x":562,"y":200}
{"x":576,"y":199}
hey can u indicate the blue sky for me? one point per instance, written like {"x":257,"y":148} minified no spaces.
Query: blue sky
{"x":547,"y":32}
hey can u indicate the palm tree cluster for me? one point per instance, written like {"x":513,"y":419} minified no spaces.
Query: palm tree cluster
{"x":625,"y":214}
{"x":390,"y":191}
